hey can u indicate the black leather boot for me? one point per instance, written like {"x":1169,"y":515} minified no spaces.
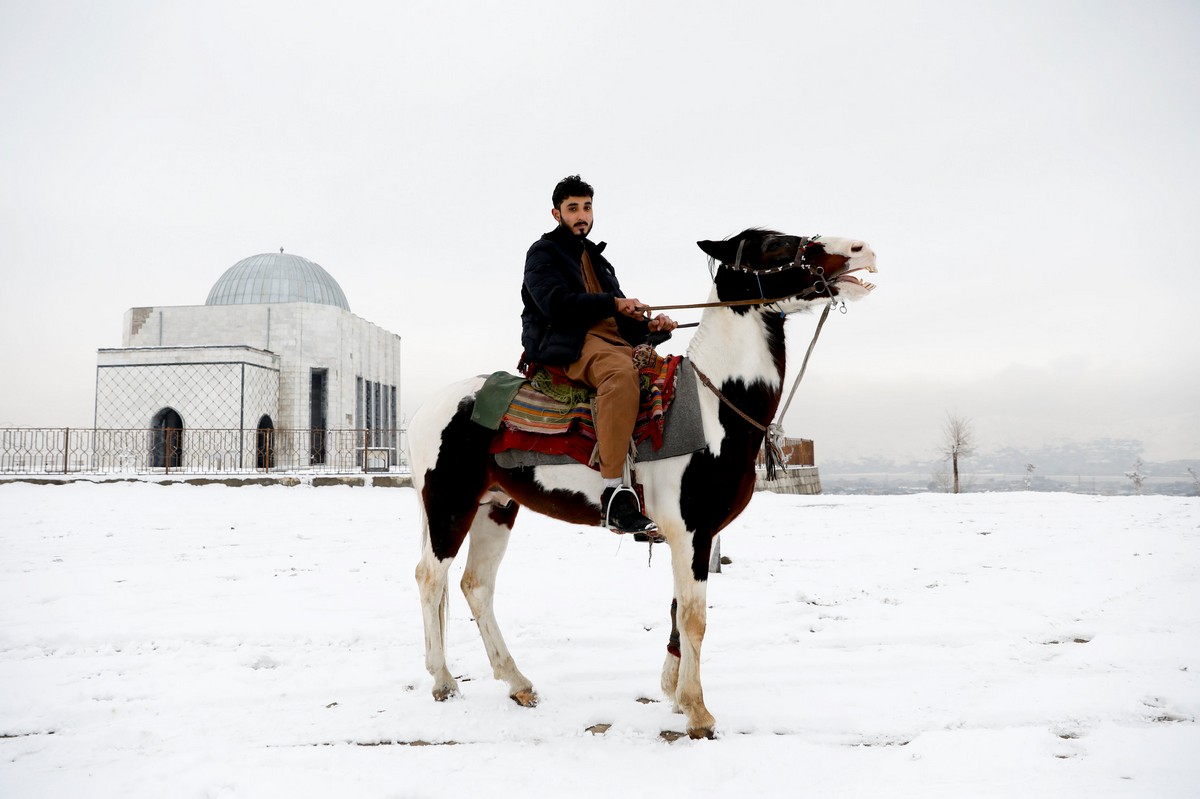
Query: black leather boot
{"x":621,"y":512}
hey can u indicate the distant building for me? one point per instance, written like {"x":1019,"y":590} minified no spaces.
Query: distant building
{"x":274,"y":347}
{"x":798,"y":473}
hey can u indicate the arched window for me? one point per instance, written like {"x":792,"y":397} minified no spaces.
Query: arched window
{"x":166,"y":440}
{"x":264,"y":444}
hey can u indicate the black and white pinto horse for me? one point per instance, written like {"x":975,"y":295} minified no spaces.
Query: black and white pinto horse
{"x":740,"y":348}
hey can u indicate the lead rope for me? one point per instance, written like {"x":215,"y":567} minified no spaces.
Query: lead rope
{"x":775,"y":430}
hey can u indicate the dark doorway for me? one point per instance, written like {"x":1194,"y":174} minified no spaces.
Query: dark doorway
{"x":264,"y":444}
{"x":166,"y":440}
{"x":317,"y":400}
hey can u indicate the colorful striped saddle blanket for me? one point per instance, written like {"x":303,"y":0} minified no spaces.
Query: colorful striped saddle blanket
{"x":551,"y":415}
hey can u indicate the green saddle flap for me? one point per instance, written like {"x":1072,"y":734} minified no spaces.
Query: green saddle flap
{"x":494,"y":397}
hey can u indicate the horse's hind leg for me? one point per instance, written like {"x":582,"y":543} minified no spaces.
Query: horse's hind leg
{"x":450,"y":475}
{"x":488,"y":542}
{"x":431,"y":581}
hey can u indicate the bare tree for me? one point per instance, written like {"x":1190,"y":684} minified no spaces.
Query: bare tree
{"x":958,"y":441}
{"x":1136,"y":476}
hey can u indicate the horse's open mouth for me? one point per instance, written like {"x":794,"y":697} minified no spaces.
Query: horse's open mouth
{"x":849,"y":277}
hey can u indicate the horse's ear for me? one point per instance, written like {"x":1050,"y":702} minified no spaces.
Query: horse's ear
{"x":723,"y":251}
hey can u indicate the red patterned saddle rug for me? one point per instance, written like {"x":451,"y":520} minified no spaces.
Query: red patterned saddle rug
{"x":553,"y":415}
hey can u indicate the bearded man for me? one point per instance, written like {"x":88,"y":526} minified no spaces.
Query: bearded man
{"x":576,"y":318}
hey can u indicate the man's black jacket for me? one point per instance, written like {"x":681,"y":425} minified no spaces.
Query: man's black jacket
{"x":559,"y":310}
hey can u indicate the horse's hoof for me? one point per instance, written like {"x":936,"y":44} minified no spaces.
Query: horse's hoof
{"x":525,"y":698}
{"x":442,"y":693}
{"x":702,"y":733}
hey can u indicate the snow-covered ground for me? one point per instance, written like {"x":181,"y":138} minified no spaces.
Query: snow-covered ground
{"x":184,"y":641}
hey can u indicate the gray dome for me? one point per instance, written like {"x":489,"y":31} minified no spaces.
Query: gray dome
{"x":276,"y":277}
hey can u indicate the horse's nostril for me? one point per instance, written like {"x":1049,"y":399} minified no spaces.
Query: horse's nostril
{"x":856,"y":248}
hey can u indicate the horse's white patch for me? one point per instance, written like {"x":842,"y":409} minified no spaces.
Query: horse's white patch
{"x":660,"y":481}
{"x":570,"y":477}
{"x":730,"y":346}
{"x":710,"y":407}
{"x":859,"y":255}
{"x":733,"y":346}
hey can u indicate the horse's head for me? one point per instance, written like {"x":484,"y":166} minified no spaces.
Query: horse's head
{"x":797,"y":271}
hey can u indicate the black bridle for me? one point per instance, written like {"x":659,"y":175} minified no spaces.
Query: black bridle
{"x":800,"y":261}
{"x":822,"y":286}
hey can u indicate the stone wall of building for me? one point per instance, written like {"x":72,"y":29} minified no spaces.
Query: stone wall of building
{"x":209,"y":387}
{"x":305,"y":336}
{"x":792,"y":480}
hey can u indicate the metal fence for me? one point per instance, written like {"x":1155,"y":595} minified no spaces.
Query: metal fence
{"x":64,"y":450}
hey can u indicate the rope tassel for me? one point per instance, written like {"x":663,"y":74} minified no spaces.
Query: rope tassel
{"x":772,"y":453}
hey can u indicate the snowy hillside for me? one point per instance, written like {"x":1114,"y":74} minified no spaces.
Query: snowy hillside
{"x":266,"y":641}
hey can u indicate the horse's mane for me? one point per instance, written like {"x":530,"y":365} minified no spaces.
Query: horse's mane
{"x":754,"y":233}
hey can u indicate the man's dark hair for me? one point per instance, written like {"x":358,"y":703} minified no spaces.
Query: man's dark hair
{"x":571,"y":186}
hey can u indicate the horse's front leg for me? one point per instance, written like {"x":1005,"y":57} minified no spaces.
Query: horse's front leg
{"x":690,"y":568}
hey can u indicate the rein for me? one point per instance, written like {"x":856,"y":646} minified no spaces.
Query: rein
{"x":730,"y":303}
{"x":713,"y":388}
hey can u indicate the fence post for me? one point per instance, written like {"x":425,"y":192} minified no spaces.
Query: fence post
{"x":66,"y":447}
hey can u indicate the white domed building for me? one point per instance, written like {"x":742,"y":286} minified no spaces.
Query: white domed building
{"x":274,"y":349}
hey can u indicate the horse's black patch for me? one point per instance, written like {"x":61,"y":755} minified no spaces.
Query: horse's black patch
{"x":504,"y":515}
{"x":714,"y":490}
{"x":457,"y":481}
{"x":569,"y":506}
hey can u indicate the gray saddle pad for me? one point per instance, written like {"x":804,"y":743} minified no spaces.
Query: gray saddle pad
{"x":682,"y":430}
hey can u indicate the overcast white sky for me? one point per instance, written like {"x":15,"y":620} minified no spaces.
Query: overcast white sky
{"x":1028,"y":173}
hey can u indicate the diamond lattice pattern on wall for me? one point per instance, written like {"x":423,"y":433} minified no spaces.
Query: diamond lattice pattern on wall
{"x":206,"y":395}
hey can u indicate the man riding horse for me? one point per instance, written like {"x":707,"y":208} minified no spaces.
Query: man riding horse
{"x":577,"y":319}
